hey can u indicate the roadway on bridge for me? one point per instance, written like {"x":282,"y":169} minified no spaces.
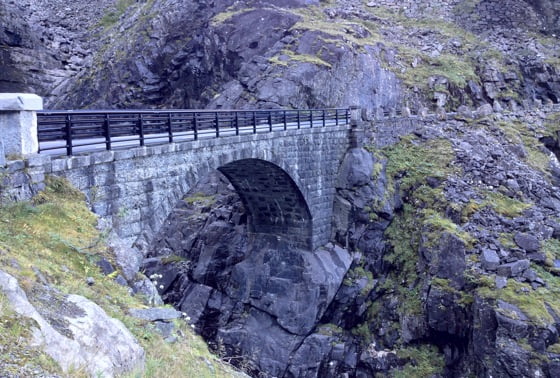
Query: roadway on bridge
{"x":80,"y":146}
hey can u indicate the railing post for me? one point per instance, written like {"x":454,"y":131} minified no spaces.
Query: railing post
{"x":311,"y":118}
{"x":236,"y":123}
{"x":169,"y":127}
{"x":254,"y":122}
{"x":107,"y":127}
{"x":336,"y":116}
{"x":217,"y":125}
{"x":285,"y":122}
{"x":195,"y":127}
{"x":324,"y":121}
{"x":18,"y":123}
{"x":355,"y":115}
{"x":270,"y":120}
{"x":141,"y":128}
{"x":68,"y":131}
{"x":298,"y":119}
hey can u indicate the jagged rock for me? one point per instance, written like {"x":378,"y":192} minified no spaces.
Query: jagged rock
{"x":527,"y":242}
{"x":490,"y":259}
{"x":356,"y":169}
{"x":483,"y":111}
{"x":82,"y":336}
{"x":444,"y":312}
{"x":153,"y":314}
{"x":128,"y":258}
{"x":513,"y":269}
{"x":105,"y":266}
{"x":501,"y":282}
{"x":148,"y":290}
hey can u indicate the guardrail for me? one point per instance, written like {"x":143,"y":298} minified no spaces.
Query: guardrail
{"x":83,"y":129}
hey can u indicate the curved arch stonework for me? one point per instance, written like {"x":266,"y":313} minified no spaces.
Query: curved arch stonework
{"x":272,"y":198}
{"x":134,"y":190}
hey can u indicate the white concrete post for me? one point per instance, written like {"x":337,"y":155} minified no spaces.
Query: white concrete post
{"x":18,"y":123}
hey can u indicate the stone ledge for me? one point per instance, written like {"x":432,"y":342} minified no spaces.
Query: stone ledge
{"x":20,"y":102}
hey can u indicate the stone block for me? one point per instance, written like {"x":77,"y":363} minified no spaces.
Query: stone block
{"x":527,"y":242}
{"x":79,"y":161}
{"x":513,"y":269}
{"x":59,"y":165}
{"x":15,"y":165}
{"x":490,"y":259}
{"x":38,"y":160}
{"x":20,"y":101}
{"x":124,"y":154}
{"x":18,"y":130}
{"x":102,"y":157}
{"x":37,"y":177}
{"x":153,"y":314}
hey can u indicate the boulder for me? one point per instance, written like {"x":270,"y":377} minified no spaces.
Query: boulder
{"x":513,"y":269}
{"x":527,"y":242}
{"x":356,"y":169}
{"x":490,"y":259}
{"x":81,"y":337}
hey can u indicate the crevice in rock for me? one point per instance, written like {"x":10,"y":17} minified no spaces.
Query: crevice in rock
{"x":552,"y":144}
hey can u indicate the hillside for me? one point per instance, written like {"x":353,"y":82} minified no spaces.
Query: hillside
{"x":376,"y":54}
{"x":53,"y":250}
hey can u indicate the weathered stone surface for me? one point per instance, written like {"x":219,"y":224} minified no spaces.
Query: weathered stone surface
{"x":153,"y":314}
{"x":513,"y":269}
{"x":98,"y":344}
{"x":356,"y":169}
{"x":127,"y":258}
{"x":2,"y":154}
{"x":148,"y":290}
{"x":527,"y":242}
{"x":490,"y":259}
{"x":20,"y":101}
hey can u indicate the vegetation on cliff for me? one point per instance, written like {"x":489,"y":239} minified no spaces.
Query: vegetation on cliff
{"x":53,"y":242}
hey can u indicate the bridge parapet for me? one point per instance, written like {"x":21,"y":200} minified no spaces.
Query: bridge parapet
{"x":18,"y":124}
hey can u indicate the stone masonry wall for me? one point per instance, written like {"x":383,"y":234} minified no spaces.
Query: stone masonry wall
{"x":134,"y":190}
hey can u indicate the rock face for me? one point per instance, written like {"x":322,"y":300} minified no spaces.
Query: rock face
{"x":429,"y":259}
{"x":244,"y":291}
{"x":82,"y":336}
{"x":380,"y":54}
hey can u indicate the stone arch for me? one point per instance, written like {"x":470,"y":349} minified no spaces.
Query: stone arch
{"x":273,"y":200}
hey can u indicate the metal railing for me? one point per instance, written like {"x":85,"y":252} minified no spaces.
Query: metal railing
{"x":81,"y":130}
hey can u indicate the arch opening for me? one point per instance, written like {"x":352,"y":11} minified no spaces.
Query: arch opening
{"x":275,"y":204}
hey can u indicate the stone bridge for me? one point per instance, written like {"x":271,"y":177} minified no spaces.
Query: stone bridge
{"x":286,"y":179}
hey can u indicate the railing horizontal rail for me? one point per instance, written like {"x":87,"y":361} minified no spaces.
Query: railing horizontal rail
{"x":72,"y":131}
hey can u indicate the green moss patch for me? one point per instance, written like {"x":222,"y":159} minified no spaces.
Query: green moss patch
{"x":56,"y":235}
{"x":413,"y":162}
{"x":533,"y":303}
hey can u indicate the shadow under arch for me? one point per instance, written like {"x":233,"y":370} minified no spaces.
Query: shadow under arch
{"x":273,"y":200}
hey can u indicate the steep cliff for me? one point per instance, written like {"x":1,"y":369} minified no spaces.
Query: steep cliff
{"x":377,"y":54}
{"x":445,"y":259}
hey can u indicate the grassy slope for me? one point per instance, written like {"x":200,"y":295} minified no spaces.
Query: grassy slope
{"x":55,"y":235}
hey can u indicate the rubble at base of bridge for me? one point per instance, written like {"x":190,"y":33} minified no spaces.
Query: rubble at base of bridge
{"x":445,"y":256}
